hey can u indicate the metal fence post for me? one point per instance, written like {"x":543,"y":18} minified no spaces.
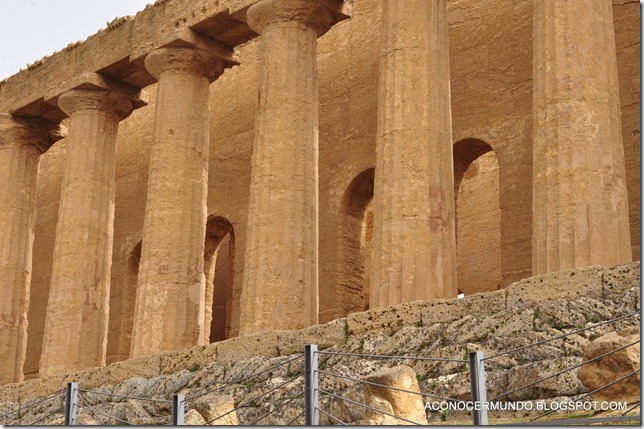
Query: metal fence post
{"x":178,"y":409}
{"x":479,"y":390}
{"x":311,"y":385}
{"x":71,"y":404}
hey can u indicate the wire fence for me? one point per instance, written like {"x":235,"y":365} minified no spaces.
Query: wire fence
{"x":305,"y":389}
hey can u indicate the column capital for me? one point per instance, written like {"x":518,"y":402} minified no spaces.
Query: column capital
{"x":16,"y":132}
{"x":317,"y":15}
{"x":92,"y":91}
{"x":112,"y":102}
{"x":186,"y":60}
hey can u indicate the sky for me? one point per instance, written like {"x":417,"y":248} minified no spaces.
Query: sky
{"x":32,"y":29}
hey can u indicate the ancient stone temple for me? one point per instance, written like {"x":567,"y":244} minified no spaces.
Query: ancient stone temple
{"x":210,"y":169}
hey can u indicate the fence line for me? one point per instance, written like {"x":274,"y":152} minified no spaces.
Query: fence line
{"x":388,"y":387}
{"x":48,"y":415}
{"x":250,"y":401}
{"x":562,"y":335}
{"x":277,"y":409}
{"x":324,"y":352}
{"x":590,"y":393}
{"x":342,"y":398}
{"x":24,"y":407}
{"x":243,"y":379}
{"x":140,"y":398}
{"x":564,"y":370}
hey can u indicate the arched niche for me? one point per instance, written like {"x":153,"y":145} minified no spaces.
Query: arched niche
{"x":478,"y":217}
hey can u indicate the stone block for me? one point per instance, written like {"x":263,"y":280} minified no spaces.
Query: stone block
{"x":90,"y":378}
{"x":385,"y":319}
{"x":193,"y":418}
{"x":42,"y":387}
{"x":192,"y":359}
{"x":565,"y":384}
{"x":449,"y":310}
{"x":10,"y":393}
{"x":263,"y":344}
{"x":620,"y":278}
{"x":567,"y":284}
{"x":600,"y":373}
{"x":325,"y":336}
{"x":213,"y":408}
{"x":143,"y":366}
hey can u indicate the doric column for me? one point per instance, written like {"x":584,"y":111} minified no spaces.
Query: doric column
{"x":579,"y":205}
{"x":414,"y":245}
{"x":21,"y":144}
{"x":75,"y":334}
{"x":169,"y":311}
{"x":280,"y":286}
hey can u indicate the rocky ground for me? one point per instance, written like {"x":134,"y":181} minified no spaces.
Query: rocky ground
{"x":278,"y":393}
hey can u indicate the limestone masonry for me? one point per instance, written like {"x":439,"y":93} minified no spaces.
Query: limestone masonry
{"x":207,"y":170}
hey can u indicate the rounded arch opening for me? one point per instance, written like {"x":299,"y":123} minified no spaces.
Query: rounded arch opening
{"x":122,"y":304}
{"x":478,"y":217}
{"x":219,"y":270}
{"x":355,"y":236}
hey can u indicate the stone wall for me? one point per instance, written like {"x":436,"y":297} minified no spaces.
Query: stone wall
{"x":593,"y":283}
{"x":491,"y":84}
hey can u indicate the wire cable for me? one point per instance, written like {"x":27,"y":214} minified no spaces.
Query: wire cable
{"x":95,"y":392}
{"x":105,"y":415}
{"x":632,"y":408}
{"x":47,"y":415}
{"x":561,"y":336}
{"x":590,"y":393}
{"x":190,"y":398}
{"x":369,"y":408}
{"x":245,"y":404}
{"x":95,"y":416}
{"x":330,"y":416}
{"x":32,"y":405}
{"x":564,"y":370}
{"x":277,"y":409}
{"x":324,"y":352}
{"x":298,"y":416}
{"x":389,"y":387}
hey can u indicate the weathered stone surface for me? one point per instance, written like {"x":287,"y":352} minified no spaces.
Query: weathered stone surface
{"x":490,"y":103}
{"x":386,"y":319}
{"x":326,"y":335}
{"x":567,"y":284}
{"x":21,"y":144}
{"x":280,"y":288}
{"x":169,"y":312}
{"x":144,"y":366}
{"x":247,"y":346}
{"x":620,"y":278}
{"x":445,"y":311}
{"x":213,"y":408}
{"x":566,"y":384}
{"x":414,"y":242}
{"x":601,"y":372}
{"x":580,"y":207}
{"x":403,"y":404}
{"x":193,"y":418}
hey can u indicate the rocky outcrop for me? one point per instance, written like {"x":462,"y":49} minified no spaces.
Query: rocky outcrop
{"x":403,"y":404}
{"x":447,"y":329}
{"x":612,"y":367}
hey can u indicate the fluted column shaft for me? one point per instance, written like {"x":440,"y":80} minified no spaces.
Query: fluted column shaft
{"x":580,"y":206}
{"x":169,"y":310}
{"x":280,"y":287}
{"x":414,"y":250}
{"x":21,"y":144}
{"x":75,"y":334}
